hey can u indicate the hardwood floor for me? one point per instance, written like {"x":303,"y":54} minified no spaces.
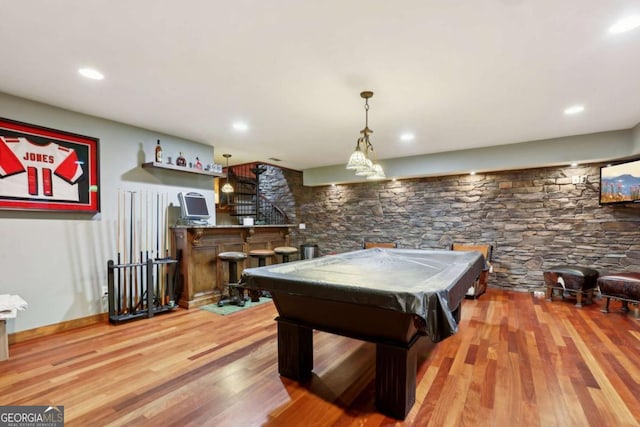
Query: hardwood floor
{"x":517,"y":360}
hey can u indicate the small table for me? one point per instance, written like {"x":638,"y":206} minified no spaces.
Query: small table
{"x":390,"y":297}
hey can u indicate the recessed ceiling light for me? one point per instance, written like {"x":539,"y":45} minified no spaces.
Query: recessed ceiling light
{"x":574,"y":164}
{"x":407,"y":137}
{"x":240,"y":126}
{"x":91,"y":73}
{"x":472,"y":173}
{"x":625,"y":24}
{"x":574,"y":109}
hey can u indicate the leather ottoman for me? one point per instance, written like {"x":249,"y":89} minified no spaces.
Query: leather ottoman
{"x":574,"y":279}
{"x":621,"y":286}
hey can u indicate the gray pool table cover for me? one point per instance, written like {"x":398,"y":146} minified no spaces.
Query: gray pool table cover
{"x":427,"y":283}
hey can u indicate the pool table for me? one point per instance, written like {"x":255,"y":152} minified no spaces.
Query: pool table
{"x":390,"y":297}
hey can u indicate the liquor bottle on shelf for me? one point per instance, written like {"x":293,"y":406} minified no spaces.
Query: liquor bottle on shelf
{"x":181,"y":161}
{"x":158,"y":152}
{"x":198,"y":164}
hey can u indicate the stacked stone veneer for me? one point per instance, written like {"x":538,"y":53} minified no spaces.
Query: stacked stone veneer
{"x":279,"y":186}
{"x":534,"y":219}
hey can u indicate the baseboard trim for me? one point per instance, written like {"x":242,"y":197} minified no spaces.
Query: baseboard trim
{"x":44,"y":331}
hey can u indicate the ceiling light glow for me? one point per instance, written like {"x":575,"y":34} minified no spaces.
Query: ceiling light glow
{"x":91,"y":73}
{"x":407,"y":137}
{"x":625,"y":24}
{"x":574,"y":109}
{"x":240,"y":126}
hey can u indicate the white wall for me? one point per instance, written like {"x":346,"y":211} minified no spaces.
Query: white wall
{"x":57,"y":262}
{"x":635,"y":133}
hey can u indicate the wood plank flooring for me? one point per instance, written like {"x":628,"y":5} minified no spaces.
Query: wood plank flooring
{"x":517,"y":360}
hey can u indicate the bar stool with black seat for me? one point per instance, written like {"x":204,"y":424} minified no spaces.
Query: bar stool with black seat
{"x":285,"y":251}
{"x":236,"y":292}
{"x":261,"y":255}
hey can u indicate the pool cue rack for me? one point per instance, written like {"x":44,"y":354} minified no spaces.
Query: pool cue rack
{"x":141,"y":290}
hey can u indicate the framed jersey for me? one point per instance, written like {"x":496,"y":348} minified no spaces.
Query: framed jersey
{"x":46,"y":169}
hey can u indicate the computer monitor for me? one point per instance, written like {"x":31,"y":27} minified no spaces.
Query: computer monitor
{"x":193,"y":208}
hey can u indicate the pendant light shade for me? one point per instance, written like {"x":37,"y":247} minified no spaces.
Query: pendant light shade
{"x":227,"y":187}
{"x":363,"y":159}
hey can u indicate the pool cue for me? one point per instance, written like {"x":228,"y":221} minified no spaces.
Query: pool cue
{"x":125,"y":303}
{"x":157,"y":248}
{"x":131,"y":251}
{"x":135,"y":239}
{"x":140,"y":251}
{"x":140,"y":302}
{"x":149,"y":286}
{"x":116,"y":295}
{"x":163,"y":282}
{"x":167,"y":238}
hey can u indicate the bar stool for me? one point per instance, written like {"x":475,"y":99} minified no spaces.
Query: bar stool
{"x":285,"y":251}
{"x":236,"y":292}
{"x":261,"y":255}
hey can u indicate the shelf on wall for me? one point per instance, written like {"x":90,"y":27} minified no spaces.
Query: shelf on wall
{"x":156,"y":165}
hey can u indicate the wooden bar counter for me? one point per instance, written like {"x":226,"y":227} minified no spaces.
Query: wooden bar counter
{"x":202,"y":276}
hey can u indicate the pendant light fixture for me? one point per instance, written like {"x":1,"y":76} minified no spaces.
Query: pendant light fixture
{"x":227,"y":188}
{"x":363,"y":159}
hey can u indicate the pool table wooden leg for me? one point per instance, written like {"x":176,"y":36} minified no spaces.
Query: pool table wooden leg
{"x":295,"y":350}
{"x":396,"y":379}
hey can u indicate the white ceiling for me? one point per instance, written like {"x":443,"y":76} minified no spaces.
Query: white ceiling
{"x":457,"y":73}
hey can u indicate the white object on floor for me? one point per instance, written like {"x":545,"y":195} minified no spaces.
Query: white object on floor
{"x":9,"y":306}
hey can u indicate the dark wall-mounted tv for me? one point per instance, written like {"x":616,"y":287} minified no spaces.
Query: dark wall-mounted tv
{"x":620,"y":182}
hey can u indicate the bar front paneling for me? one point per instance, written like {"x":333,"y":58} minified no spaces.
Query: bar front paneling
{"x":202,"y":276}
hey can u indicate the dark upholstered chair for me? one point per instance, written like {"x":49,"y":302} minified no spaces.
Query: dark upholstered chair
{"x":480,"y":285}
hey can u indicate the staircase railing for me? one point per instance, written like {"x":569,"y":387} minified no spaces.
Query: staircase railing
{"x":246,"y":200}
{"x":270,"y":214}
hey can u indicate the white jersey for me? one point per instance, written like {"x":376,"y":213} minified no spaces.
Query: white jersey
{"x":33,"y":171}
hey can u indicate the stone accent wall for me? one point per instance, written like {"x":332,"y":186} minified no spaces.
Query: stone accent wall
{"x":278,"y":186}
{"x":534,"y":219}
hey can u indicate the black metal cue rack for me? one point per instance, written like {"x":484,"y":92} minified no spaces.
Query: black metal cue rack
{"x":141,"y":290}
